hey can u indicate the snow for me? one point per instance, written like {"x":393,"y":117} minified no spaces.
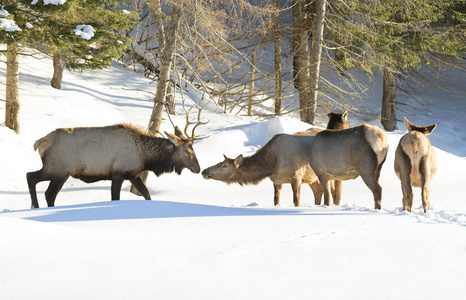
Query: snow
{"x":9,"y":25}
{"x":46,"y":2}
{"x":84,"y":31}
{"x":202,"y":239}
{"x":3,"y":12}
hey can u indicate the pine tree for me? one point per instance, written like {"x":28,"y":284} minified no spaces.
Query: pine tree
{"x":79,"y":34}
{"x":395,"y":37}
{"x":84,"y":34}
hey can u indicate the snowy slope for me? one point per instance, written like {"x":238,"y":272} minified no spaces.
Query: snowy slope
{"x":202,"y":239}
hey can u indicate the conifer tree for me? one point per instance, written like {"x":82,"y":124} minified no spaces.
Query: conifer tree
{"x":79,"y":34}
{"x":395,"y":37}
{"x":82,"y":34}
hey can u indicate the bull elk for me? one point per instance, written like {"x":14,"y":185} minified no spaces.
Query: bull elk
{"x":415,"y":163}
{"x":284,"y":159}
{"x":347,"y":154}
{"x":117,"y":153}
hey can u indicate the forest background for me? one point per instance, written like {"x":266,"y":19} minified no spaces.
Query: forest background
{"x":221,"y":48}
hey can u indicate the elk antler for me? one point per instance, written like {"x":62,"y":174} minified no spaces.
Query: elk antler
{"x":188,"y":122}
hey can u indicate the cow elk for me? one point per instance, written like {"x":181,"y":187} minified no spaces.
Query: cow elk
{"x":284,"y":159}
{"x":117,"y":153}
{"x":415,"y":163}
{"x":347,"y":154}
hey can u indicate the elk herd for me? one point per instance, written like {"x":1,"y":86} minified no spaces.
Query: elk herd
{"x":320,"y":158}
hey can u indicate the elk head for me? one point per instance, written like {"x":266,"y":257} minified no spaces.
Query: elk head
{"x":337,"y":121}
{"x":184,"y":156}
{"x":225,"y":171}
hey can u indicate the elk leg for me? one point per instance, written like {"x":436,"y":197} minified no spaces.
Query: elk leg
{"x":317,"y":190}
{"x":33,"y":178}
{"x":277,"y":188}
{"x":403,"y":171}
{"x":296,"y":187}
{"x":369,"y":168}
{"x":425,"y":184}
{"x":53,"y":189}
{"x":337,"y":189}
{"x":142,"y":189}
{"x":325,"y":189}
{"x":117,"y":181}
{"x":331,"y":184}
{"x":405,"y":180}
{"x":376,"y":190}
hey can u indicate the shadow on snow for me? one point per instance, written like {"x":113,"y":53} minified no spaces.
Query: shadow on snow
{"x":143,"y":209}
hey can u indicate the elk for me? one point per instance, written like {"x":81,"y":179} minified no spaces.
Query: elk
{"x":117,"y":153}
{"x":415,"y":163}
{"x":284,"y":159}
{"x":347,"y":154}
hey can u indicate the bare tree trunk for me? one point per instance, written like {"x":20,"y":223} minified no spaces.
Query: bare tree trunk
{"x":159,"y":23}
{"x":278,"y":61}
{"x":388,"y":114}
{"x":166,"y":59}
{"x":316,"y":54}
{"x":301,"y":61}
{"x":12,"y":88}
{"x":57,"y":71}
{"x":251,"y":79}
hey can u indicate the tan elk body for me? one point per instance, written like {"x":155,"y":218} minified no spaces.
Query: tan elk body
{"x":347,"y":154}
{"x":117,"y":153}
{"x":284,"y":159}
{"x":415,"y":163}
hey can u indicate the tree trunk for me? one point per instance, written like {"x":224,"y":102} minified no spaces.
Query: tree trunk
{"x":57,"y":71}
{"x":159,"y":23}
{"x":166,"y":59}
{"x":388,"y":114}
{"x":278,"y":61}
{"x":12,"y":88}
{"x":300,"y":60}
{"x":300,"y":39}
{"x":316,"y":54}
{"x":251,"y":79}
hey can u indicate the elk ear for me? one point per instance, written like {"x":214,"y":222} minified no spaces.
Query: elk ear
{"x":179,"y":133}
{"x":429,"y":129}
{"x":409,"y":125}
{"x":238,"y":161}
{"x":173,"y":138}
{"x":344,"y":116}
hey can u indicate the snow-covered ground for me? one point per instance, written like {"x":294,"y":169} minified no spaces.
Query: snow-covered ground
{"x":202,"y":239}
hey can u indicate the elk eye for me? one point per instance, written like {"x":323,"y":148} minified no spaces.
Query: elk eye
{"x":187,"y":152}
{"x":224,"y":166}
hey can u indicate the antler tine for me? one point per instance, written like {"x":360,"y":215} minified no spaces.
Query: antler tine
{"x":188,"y":122}
{"x":198,"y":120}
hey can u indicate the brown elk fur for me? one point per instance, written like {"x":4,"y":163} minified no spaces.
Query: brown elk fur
{"x":415,"y":163}
{"x":284,"y":159}
{"x":346,"y":154}
{"x":117,"y":153}
{"x":281,"y":159}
